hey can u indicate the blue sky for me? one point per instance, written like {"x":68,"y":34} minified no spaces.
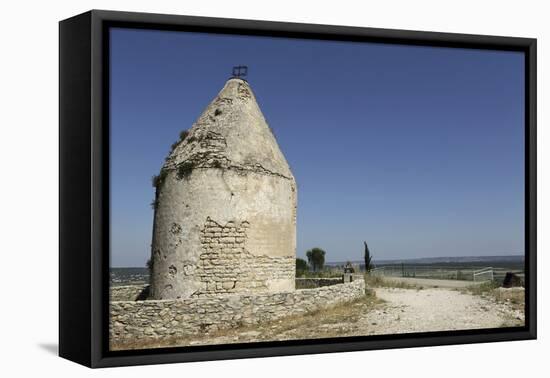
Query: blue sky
{"x":417,"y":150}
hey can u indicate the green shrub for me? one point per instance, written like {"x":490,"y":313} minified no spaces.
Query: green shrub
{"x":368,"y":258}
{"x":184,"y":169}
{"x":158,"y":180}
{"x":183,"y":135}
{"x":149,"y":265}
{"x":316,"y":258}
{"x":301,"y":267}
{"x":174,"y":145}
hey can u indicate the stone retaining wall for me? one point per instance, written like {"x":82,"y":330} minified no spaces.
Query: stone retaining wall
{"x":310,"y":283}
{"x":157,"y":319}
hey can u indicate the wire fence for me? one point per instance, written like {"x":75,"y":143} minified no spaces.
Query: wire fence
{"x":476,"y":274}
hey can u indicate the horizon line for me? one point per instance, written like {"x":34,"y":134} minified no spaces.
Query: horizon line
{"x":398,"y":259}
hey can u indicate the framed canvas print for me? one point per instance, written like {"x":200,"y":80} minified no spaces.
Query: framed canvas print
{"x":234,"y":188}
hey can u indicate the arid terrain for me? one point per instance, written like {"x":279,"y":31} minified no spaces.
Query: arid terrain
{"x":392,"y":308}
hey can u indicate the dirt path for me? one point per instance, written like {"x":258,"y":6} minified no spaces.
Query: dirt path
{"x":426,"y":310}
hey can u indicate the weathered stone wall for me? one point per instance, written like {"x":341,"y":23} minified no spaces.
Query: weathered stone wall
{"x":227,"y":267}
{"x":156,"y":319}
{"x":310,"y":283}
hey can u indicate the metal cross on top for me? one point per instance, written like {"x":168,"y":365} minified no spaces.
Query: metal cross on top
{"x":240,"y":71}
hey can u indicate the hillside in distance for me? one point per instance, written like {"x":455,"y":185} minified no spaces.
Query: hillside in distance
{"x":483,"y":260}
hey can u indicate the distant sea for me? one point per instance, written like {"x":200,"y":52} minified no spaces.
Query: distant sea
{"x":129,"y":276}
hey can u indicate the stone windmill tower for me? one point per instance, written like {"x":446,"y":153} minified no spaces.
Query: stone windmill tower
{"x":225,"y":206}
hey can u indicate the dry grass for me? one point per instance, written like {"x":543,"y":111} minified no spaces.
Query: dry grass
{"x":514,"y":297}
{"x":485,"y":288}
{"x":377,"y":281}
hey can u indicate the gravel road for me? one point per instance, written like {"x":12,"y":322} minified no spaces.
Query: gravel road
{"x":438,"y":309}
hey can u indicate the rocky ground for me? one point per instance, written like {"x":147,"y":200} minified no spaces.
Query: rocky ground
{"x":390,"y":311}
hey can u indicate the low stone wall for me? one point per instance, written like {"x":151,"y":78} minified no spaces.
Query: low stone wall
{"x":129,"y":293}
{"x":157,"y":319}
{"x":140,"y":292}
{"x":310,"y":283}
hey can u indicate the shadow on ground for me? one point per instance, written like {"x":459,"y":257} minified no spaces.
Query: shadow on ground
{"x":49,"y":347}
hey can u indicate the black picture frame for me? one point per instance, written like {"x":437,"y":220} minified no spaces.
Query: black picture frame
{"x":84,"y":187}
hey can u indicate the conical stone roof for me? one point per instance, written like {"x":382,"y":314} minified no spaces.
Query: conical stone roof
{"x":231,"y":133}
